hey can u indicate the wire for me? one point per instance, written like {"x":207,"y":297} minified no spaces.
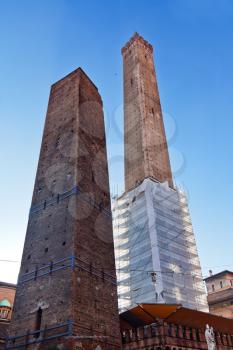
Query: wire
{"x":143,"y":270}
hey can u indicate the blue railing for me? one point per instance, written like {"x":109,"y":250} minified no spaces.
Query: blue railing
{"x":39,"y":336}
{"x":66,"y":263}
{"x":61,"y":196}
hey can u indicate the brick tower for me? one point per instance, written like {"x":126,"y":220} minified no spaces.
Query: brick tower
{"x":66,"y":296}
{"x":156,"y":254}
{"x":146,"y":152}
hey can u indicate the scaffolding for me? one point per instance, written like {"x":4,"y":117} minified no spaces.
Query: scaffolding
{"x":153,"y":233}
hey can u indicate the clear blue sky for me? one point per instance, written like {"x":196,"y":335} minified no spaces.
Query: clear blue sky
{"x":41,"y":41}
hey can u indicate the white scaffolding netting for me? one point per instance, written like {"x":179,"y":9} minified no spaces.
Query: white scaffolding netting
{"x":153,"y":233}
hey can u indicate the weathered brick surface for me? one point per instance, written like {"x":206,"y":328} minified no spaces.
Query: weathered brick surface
{"x":171,"y":337}
{"x":146,"y":153}
{"x":73,"y":153}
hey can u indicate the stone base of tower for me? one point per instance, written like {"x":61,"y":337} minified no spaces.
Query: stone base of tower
{"x":66,"y":336}
{"x":69,"y":343}
{"x":73,"y":344}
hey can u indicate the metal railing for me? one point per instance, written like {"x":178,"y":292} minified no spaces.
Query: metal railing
{"x":66,"y":263}
{"x":39,"y":336}
{"x":47,"y":269}
{"x":61,"y":196}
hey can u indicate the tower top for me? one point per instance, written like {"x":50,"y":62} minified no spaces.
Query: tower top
{"x":79,"y":71}
{"x":136,"y":39}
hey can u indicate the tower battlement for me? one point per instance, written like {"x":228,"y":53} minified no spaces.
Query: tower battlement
{"x":135,"y":39}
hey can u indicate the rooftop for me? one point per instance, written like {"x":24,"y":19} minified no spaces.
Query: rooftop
{"x":7,"y":285}
{"x":217,"y":275}
{"x":76,"y":71}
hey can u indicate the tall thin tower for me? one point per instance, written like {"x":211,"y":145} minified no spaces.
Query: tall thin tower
{"x":156,"y":254}
{"x":146,"y":152}
{"x":66,"y":296}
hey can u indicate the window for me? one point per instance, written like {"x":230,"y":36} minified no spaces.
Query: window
{"x":191,"y":334}
{"x":5,"y":308}
{"x":4,"y":314}
{"x":38,"y":322}
{"x":197,"y":335}
{"x":170,"y":330}
{"x":131,"y":81}
{"x":184,"y":332}
{"x":213,"y":289}
{"x":231,"y":282}
{"x":221,"y":284}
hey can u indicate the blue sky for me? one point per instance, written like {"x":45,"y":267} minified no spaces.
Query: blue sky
{"x":41,"y":41}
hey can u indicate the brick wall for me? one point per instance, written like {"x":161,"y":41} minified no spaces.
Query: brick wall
{"x":171,"y":337}
{"x":70,"y":217}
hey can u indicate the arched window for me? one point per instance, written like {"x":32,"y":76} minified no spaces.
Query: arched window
{"x":5,"y":308}
{"x":4,"y":313}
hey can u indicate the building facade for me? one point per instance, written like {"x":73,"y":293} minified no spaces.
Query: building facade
{"x":7,"y":296}
{"x":66,"y":296}
{"x":156,"y":254}
{"x":220,"y":293}
{"x":154,"y":327}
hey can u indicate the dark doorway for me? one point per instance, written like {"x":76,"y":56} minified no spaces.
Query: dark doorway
{"x":38,"y":321}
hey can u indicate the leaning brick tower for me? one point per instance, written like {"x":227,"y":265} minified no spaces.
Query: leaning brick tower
{"x":66,"y":295}
{"x":146,"y":151}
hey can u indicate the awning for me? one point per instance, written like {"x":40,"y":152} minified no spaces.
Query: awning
{"x":198,"y":319}
{"x":145,"y":314}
